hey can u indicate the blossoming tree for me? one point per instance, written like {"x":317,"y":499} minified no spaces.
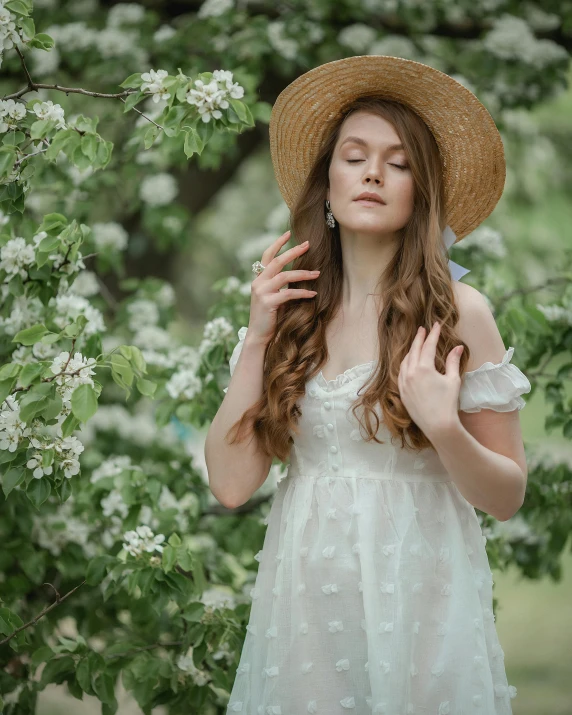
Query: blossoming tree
{"x":117,"y":561}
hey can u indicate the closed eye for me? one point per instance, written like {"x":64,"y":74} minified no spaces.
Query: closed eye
{"x":399,"y":166}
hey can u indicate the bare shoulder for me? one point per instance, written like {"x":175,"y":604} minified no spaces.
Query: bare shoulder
{"x":477,"y":327}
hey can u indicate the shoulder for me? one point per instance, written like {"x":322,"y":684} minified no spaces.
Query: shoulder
{"x":477,"y":327}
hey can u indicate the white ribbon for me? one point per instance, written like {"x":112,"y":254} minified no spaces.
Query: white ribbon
{"x":457,"y":271}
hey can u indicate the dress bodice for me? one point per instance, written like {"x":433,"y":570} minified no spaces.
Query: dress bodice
{"x":329,"y":442}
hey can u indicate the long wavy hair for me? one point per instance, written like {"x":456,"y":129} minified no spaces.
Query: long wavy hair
{"x":416,"y":288}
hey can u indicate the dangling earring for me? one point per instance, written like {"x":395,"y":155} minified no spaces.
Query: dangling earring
{"x":330,"y":220}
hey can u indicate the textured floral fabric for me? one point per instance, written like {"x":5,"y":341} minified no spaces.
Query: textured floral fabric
{"x":374,"y":590}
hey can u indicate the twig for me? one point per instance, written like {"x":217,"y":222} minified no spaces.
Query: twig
{"x":33,"y":86}
{"x":531,"y":289}
{"x":29,"y":156}
{"x":145,"y":648}
{"x":144,"y":115}
{"x":59,"y":599}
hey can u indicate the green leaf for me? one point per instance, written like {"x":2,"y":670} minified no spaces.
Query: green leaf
{"x":83,"y":676}
{"x":103,"y":685}
{"x":194,"y":612}
{"x":7,"y":159}
{"x":70,"y":424}
{"x":37,"y":400}
{"x":63,"y":140}
{"x":42,"y":41}
{"x":6,"y":387}
{"x":169,"y":558}
{"x":97,"y":568}
{"x":31,"y":335}
{"x":242,"y":111}
{"x":175,"y":540}
{"x":150,"y":136}
{"x":41,"y":655}
{"x":146,"y":387}
{"x":18,"y":7}
{"x":40,"y":128}
{"x":120,"y":368}
{"x":132,"y":100}
{"x":54,"y":221}
{"x":134,"y":80}
{"x":193,"y":143}
{"x":11,"y":369}
{"x":38,"y":491}
{"x":12,"y":478}
{"x":89,"y":146}
{"x":84,"y":402}
{"x":65,"y":490}
{"x":56,"y":669}
{"x":27,"y":24}
{"x":31,"y":372}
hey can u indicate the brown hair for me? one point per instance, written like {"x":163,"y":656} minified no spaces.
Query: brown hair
{"x":418,"y":291}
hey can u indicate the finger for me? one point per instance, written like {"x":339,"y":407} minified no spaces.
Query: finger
{"x":416,"y":346}
{"x":273,"y":249}
{"x":430,"y":345}
{"x":454,"y":360}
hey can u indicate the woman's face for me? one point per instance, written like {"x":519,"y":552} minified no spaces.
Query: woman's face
{"x":373,"y":164}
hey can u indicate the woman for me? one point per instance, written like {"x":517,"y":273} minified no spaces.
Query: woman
{"x":374,"y":591}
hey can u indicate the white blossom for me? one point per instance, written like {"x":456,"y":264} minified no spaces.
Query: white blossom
{"x":111,"y":467}
{"x":142,"y":540}
{"x":69,"y":306}
{"x":110,"y":235}
{"x":164,"y":33}
{"x":12,"y":428}
{"x":511,"y":38}
{"x":35,"y":463}
{"x":214,"y":8}
{"x":153,"y":83}
{"x":183,"y":384}
{"x":287,"y":47}
{"x":211,"y":97}
{"x":158,"y":189}
{"x":114,"y":502}
{"x":15,"y":256}
{"x":487,"y":240}
{"x":128,"y":13}
{"x":358,"y":37}
{"x":152,"y":337}
{"x":142,"y":312}
{"x":85,"y":284}
{"x":11,"y":113}
{"x":50,"y":111}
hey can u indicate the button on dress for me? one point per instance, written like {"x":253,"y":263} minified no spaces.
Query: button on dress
{"x":374,"y":589}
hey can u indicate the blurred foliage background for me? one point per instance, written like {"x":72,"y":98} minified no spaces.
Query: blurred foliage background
{"x":200,"y":224}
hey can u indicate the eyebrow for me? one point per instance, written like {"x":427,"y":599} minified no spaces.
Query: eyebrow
{"x":359,"y":140}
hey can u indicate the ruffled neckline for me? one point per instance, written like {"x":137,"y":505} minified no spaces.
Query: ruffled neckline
{"x":345,"y":377}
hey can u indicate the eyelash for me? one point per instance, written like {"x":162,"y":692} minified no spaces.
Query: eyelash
{"x":399,"y":166}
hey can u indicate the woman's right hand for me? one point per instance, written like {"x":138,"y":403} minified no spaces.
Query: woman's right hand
{"x":266,"y":295}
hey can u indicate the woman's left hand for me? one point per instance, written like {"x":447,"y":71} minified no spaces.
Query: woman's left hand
{"x":430,"y":397}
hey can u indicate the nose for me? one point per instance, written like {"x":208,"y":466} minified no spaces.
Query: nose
{"x":374,"y":175}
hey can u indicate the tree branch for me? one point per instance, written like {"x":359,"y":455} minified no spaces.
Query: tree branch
{"x":59,"y":599}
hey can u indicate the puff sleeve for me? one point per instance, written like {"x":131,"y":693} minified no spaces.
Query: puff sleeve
{"x":494,"y":386}
{"x":236,"y":352}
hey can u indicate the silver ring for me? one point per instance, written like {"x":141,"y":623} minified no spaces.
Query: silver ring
{"x":257,"y":268}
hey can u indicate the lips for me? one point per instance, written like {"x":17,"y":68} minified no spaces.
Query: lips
{"x":368,"y":196}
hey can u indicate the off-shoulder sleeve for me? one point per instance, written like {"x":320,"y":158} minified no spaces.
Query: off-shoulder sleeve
{"x":494,"y":386}
{"x":236,"y":352}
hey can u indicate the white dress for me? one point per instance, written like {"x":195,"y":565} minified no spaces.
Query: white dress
{"x":374,"y":590}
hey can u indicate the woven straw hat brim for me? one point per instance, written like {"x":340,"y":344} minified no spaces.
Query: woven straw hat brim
{"x":469,"y":141}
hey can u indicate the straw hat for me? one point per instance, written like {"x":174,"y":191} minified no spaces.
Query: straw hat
{"x":469,"y":141}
